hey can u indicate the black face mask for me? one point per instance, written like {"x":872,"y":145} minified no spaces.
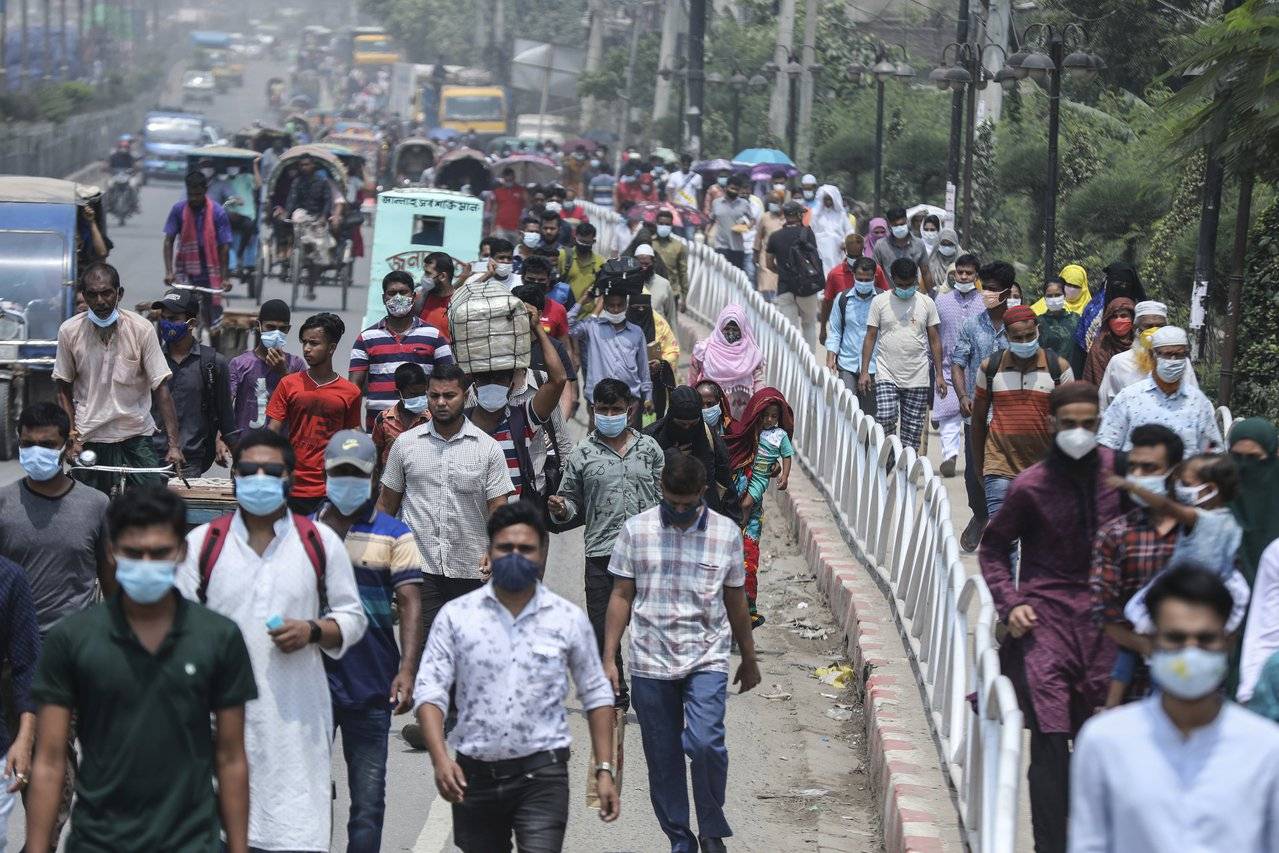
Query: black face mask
{"x":679,"y":518}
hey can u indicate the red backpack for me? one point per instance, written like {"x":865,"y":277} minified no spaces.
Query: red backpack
{"x":215,"y":539}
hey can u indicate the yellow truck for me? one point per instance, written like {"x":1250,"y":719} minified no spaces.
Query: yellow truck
{"x":374,"y":49}
{"x":481,"y":109}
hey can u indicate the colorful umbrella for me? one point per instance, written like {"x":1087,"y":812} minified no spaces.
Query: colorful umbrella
{"x":683,"y":215}
{"x":717,"y":165}
{"x":764,"y":171}
{"x":755,"y":156}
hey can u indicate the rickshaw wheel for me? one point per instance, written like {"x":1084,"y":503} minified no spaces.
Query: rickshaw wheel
{"x":295,"y":273}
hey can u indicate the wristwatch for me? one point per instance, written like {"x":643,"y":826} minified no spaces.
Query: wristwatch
{"x":605,"y":767}
{"x":316,"y":633}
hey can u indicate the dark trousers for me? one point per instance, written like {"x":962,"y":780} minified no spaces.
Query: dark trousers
{"x":973,"y":483}
{"x":364,"y":745}
{"x":599,"y":587}
{"x":1049,"y":780}
{"x":735,"y":257}
{"x":437,"y":591}
{"x":136,"y":452}
{"x":533,"y":806}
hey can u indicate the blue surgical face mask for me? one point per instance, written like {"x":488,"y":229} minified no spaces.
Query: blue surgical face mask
{"x":172,"y":331}
{"x":259,"y":494}
{"x":864,"y":288}
{"x":1157,"y":483}
{"x":904,"y":292}
{"x":663,"y":231}
{"x":532,"y":239}
{"x":40,"y":463}
{"x":273,"y":340}
{"x":1024,"y":349}
{"x":610,"y":426}
{"x":492,"y":397}
{"x":416,"y":405}
{"x":145,"y":581}
{"x":712,"y":415}
{"x":348,"y":493}
{"x":514,"y":572}
{"x":102,"y":323}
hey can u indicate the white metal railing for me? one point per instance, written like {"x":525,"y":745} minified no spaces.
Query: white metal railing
{"x":894,"y":514}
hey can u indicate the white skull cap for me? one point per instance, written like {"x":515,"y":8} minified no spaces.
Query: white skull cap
{"x":1150,"y":308}
{"x":1169,"y":336}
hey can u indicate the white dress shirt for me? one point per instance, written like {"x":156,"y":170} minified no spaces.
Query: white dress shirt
{"x":511,"y":672}
{"x":1138,"y":786}
{"x":289,"y":727}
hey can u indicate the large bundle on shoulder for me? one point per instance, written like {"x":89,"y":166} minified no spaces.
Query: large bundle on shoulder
{"x":621,"y":275}
{"x":489,"y":328}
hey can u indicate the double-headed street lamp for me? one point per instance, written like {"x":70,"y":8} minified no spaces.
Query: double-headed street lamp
{"x":883,"y":70}
{"x":1040,"y":66}
{"x":964,"y":73}
{"x":793,"y":69}
{"x":738,"y":83}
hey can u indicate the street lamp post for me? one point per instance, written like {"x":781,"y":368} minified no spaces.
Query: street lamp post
{"x":1040,"y":66}
{"x":680,"y":73}
{"x":793,"y":69}
{"x":883,"y":70}
{"x":738,"y":83}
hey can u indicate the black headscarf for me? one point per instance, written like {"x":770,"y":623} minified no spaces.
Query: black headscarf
{"x":640,"y":312}
{"x":1122,"y":281}
{"x":697,"y":441}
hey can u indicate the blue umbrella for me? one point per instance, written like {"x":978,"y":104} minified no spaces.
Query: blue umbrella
{"x":768,"y":156}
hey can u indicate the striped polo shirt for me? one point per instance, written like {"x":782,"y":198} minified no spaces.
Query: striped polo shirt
{"x":502,"y":435}
{"x":385,"y":556}
{"x":380,"y":351}
{"x":1017,"y":430}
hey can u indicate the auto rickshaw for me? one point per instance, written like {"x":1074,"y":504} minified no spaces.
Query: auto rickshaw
{"x":409,"y":160}
{"x":413,"y":222}
{"x":38,"y":226}
{"x":260,"y":139}
{"x":301,"y":249}
{"x":236,"y":186}
{"x":463,"y":167}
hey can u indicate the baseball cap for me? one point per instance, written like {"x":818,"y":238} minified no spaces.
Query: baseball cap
{"x":351,"y":447}
{"x":184,"y":301}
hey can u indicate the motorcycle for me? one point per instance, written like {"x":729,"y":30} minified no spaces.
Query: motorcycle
{"x":122,"y":198}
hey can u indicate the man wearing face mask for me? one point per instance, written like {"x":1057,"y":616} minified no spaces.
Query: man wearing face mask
{"x":674,"y":254}
{"x":373,"y":680}
{"x":610,"y":346}
{"x":253,"y":375}
{"x":656,"y":286}
{"x":408,"y":412}
{"x":1138,"y":362}
{"x":435,"y":290}
{"x":398,"y":338}
{"x":516,"y":427}
{"x":979,"y":337}
{"x":498,"y":264}
{"x":149,"y":750}
{"x":733,"y":217}
{"x":792,"y":253}
{"x":1010,"y":429}
{"x":955,"y":306}
{"x":509,"y":772}
{"x":678,"y":572}
{"x":1183,"y":769}
{"x":579,"y":264}
{"x":1164,"y":398}
{"x":808,"y":193}
{"x":509,"y":199}
{"x":110,"y":408}
{"x":769,"y":224}
{"x":684,"y":186}
{"x":197,"y":244}
{"x":287,"y":582}
{"x":613,"y":474}
{"x":1057,"y":658}
{"x":900,"y":243}
{"x":847,"y":331}
{"x":200,"y":386}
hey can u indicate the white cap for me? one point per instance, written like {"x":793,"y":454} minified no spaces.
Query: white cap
{"x":1150,"y":308}
{"x":1169,"y":336}
{"x":808,"y":179}
{"x":643,"y":250}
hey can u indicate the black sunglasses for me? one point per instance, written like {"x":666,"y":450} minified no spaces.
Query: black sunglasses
{"x":271,"y":469}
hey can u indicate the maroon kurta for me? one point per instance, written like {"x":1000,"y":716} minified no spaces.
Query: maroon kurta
{"x":1062,"y":666}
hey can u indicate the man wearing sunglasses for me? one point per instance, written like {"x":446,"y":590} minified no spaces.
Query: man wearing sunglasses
{"x":287,"y":582}
{"x":1182,"y":769}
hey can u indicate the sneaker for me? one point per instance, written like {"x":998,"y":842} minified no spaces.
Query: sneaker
{"x":412,"y":733}
{"x":971,"y":537}
{"x":948,"y":467}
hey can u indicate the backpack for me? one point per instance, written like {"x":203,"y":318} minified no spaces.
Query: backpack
{"x":997,"y":358}
{"x":215,"y":538}
{"x":803,"y":266}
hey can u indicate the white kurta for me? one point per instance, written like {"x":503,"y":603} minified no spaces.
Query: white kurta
{"x":289,"y":727}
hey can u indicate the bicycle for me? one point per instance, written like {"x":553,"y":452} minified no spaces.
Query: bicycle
{"x":87,"y":462}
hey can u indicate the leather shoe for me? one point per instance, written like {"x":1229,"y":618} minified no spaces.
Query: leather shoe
{"x":712,"y":845}
{"x":412,"y":733}
{"x":971,"y":537}
{"x":948,"y":467}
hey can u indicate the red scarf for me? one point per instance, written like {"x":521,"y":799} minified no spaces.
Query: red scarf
{"x":188,"y":251}
{"x":743,"y":437}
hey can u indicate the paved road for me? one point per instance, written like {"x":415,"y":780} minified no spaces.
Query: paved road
{"x":779,"y":747}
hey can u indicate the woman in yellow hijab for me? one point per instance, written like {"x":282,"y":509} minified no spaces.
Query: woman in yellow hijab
{"x":1077,"y":293}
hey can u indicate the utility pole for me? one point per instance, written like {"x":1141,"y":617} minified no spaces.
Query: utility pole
{"x":956,"y":120}
{"x":696,"y":75}
{"x":594,"y":56}
{"x":807,"y":82}
{"x":672,"y":19}
{"x":779,"y":104}
{"x":624,"y":122}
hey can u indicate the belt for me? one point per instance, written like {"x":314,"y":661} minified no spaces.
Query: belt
{"x":513,"y":766}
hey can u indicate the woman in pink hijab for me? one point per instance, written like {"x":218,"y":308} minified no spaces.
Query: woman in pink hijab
{"x":878,"y":230}
{"x":731,"y":358}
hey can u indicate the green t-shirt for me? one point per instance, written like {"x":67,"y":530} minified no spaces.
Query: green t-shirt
{"x":145,"y":781}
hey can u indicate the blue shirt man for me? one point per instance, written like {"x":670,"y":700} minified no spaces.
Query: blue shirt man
{"x":846,"y":329}
{"x":612,"y":348}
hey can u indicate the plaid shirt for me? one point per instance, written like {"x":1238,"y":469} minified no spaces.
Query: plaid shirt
{"x":1128,"y":552}
{"x":679,"y":624}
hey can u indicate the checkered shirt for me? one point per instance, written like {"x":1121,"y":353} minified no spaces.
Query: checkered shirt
{"x":1127,"y":553}
{"x":679,"y":624}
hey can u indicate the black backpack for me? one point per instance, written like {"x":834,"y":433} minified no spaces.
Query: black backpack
{"x":803,"y":266}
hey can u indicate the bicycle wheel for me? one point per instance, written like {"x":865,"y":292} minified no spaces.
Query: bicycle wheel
{"x":295,"y":274}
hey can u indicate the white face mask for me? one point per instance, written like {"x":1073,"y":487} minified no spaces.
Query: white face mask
{"x":947,"y":250}
{"x":1013,"y":302}
{"x":232,"y":171}
{"x":930,"y":238}
{"x":900,"y":231}
{"x":492,"y":397}
{"x":1076,"y":443}
{"x":810,"y":194}
{"x":663,"y":231}
{"x":1195,"y":495}
{"x":1190,"y":673}
{"x":532,"y":239}
{"x":610,"y":317}
{"x":503,"y":271}
{"x":1055,"y":303}
{"x":965,"y":286}
{"x":1170,"y":369}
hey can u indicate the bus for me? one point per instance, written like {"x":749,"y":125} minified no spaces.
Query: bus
{"x":474,"y":108}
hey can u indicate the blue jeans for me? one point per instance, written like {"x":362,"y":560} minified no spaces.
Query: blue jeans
{"x":364,"y":745}
{"x":996,"y":491}
{"x":679,"y":718}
